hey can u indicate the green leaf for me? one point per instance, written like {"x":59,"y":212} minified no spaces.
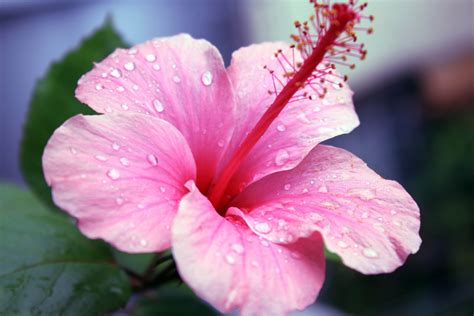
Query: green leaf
{"x":172,"y":301}
{"x":53,"y":102}
{"x":48,"y":268}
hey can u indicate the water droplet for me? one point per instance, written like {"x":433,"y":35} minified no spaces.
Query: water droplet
{"x":342,"y":244}
{"x":330,"y":205}
{"x":176,"y":79}
{"x":104,"y":75}
{"x":370,"y":253}
{"x":230,"y":259}
{"x":141,"y":206}
{"x":124,"y":161}
{"x":206,"y":78}
{"x":162,"y":189}
{"x":363,"y":194}
{"x":220,"y":143}
{"x":101,"y":158}
{"x":120,"y":89}
{"x":143,"y":243}
{"x":125,"y":106}
{"x":156,"y":67}
{"x":325,"y":130}
{"x":99,"y":87}
{"x":238,"y":248}
{"x":287,"y":186}
{"x":116,"y":73}
{"x":113,"y":174}
{"x":281,"y":157}
{"x":365,"y":215}
{"x":152,"y":159}
{"x":119,"y":201}
{"x":263,"y":227}
{"x":129,"y":66}
{"x":158,"y":106}
{"x":323,"y":189}
{"x":173,"y":66}
{"x":281,"y":128}
{"x":393,"y":212}
{"x":150,"y":57}
{"x":115,"y":146}
{"x":135,"y":87}
{"x":295,"y":255}
{"x":73,"y":150}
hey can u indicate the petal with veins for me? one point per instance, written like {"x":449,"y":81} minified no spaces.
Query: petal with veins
{"x":370,"y":222}
{"x":179,"y":79}
{"x":226,"y":264}
{"x":121,"y":176}
{"x":300,"y":126}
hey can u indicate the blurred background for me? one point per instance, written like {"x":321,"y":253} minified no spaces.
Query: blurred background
{"x":414,"y":96}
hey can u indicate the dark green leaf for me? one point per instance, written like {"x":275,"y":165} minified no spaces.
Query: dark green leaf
{"x":48,"y":268}
{"x":172,"y":301}
{"x":53,"y":102}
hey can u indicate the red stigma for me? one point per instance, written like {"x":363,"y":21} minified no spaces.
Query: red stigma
{"x":327,"y":39}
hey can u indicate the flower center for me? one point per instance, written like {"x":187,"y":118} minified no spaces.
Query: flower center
{"x":330,"y":21}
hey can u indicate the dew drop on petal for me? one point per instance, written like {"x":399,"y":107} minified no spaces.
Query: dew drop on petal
{"x":120,"y":89}
{"x":230,"y":259}
{"x":116,"y":73}
{"x":124,"y":161}
{"x":281,"y":157}
{"x":99,"y":87}
{"x":129,"y":66}
{"x":143,"y":243}
{"x":206,"y":78}
{"x":342,"y":244}
{"x":238,"y":248}
{"x":119,"y":201}
{"x":115,"y":146}
{"x":156,"y":67}
{"x":323,"y":189}
{"x":281,"y":127}
{"x":113,"y":174}
{"x":101,"y":158}
{"x":135,"y":87}
{"x":287,"y":186}
{"x":370,"y":253}
{"x":152,"y":159}
{"x":158,"y":106}
{"x":73,"y":150}
{"x":295,"y":255}
{"x":263,"y":227}
{"x":124,"y":106}
{"x":176,"y":79}
{"x":393,"y":212}
{"x":264,"y":243}
{"x":150,"y":58}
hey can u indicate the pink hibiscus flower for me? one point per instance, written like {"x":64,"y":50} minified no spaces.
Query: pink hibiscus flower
{"x":191,"y":155}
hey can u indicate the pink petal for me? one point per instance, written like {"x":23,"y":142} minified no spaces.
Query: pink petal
{"x":121,"y":176}
{"x":370,"y":222}
{"x":301,"y":125}
{"x":179,"y":79}
{"x":226,"y":264}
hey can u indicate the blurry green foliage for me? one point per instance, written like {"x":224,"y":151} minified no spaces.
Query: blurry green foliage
{"x":47,"y":267}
